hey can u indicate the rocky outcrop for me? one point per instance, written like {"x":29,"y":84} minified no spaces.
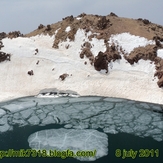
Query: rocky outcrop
{"x":4,"y":57}
{"x":40,"y":26}
{"x":112,"y":52}
{"x":63,"y":76}
{"x":1,"y":44}
{"x":113,"y":14}
{"x":48,"y":28}
{"x":69,"y":18}
{"x":30,"y":73}
{"x":145,"y":21}
{"x":158,"y":41}
{"x":147,"y":52}
{"x":2,"y":35}
{"x":14,"y":34}
{"x":159,"y":71}
{"x":36,"y":51}
{"x":102,"y":23}
{"x":86,"y":51}
{"x":101,"y":62}
{"x":82,"y":15}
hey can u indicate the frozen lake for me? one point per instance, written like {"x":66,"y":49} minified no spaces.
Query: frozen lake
{"x":108,"y":125}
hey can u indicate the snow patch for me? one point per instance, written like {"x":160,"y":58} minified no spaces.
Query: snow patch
{"x":128,"y":42}
{"x":78,"y":18}
{"x":160,"y":53}
{"x":68,"y":29}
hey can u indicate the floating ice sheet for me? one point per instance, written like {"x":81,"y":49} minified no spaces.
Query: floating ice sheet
{"x":111,"y":115}
{"x":71,"y":139}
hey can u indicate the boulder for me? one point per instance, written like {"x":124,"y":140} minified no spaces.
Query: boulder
{"x":113,"y":14}
{"x":4,"y":56}
{"x":101,"y":62}
{"x":102,"y":23}
{"x":40,"y":26}
{"x":30,"y":72}
{"x":63,"y":76}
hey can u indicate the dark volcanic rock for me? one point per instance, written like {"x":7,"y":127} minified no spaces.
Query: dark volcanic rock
{"x":4,"y":56}
{"x":14,"y":34}
{"x":30,"y":72}
{"x":113,"y":14}
{"x":2,"y":35}
{"x":40,"y":26}
{"x":160,"y":82}
{"x":101,"y":62}
{"x":112,"y":52}
{"x":69,"y":18}
{"x":63,"y":76}
{"x":145,"y":21}
{"x":48,"y":28}
{"x":1,"y":45}
{"x":102,"y":23}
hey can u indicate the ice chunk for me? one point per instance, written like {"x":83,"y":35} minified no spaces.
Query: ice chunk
{"x":2,"y":112}
{"x":13,"y":107}
{"x":34,"y":120}
{"x":72,"y":139}
{"x":144,"y":119}
{"x":26,"y":113}
{"x":49,"y":120}
{"x":68,"y":126}
{"x":4,"y":126}
{"x":110,"y":129}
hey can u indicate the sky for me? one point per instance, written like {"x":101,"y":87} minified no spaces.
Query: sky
{"x":27,"y":15}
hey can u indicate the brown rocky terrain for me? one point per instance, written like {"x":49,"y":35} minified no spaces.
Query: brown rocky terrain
{"x":102,"y":27}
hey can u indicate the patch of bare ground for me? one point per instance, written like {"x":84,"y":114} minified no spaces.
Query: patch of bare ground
{"x":148,"y":52}
{"x":104,"y":25}
{"x":86,"y":51}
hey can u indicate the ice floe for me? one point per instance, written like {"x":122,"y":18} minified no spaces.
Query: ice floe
{"x":71,"y":139}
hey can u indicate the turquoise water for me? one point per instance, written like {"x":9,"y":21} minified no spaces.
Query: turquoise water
{"x":147,"y":146}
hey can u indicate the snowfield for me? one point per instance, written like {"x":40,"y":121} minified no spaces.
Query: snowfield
{"x":134,"y":82}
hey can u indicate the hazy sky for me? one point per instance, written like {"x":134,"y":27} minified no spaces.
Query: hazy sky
{"x":26,"y":15}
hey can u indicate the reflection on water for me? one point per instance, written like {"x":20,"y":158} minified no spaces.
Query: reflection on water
{"x":130,"y":126}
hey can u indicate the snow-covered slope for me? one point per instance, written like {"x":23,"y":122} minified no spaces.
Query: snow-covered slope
{"x":135,"y":82}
